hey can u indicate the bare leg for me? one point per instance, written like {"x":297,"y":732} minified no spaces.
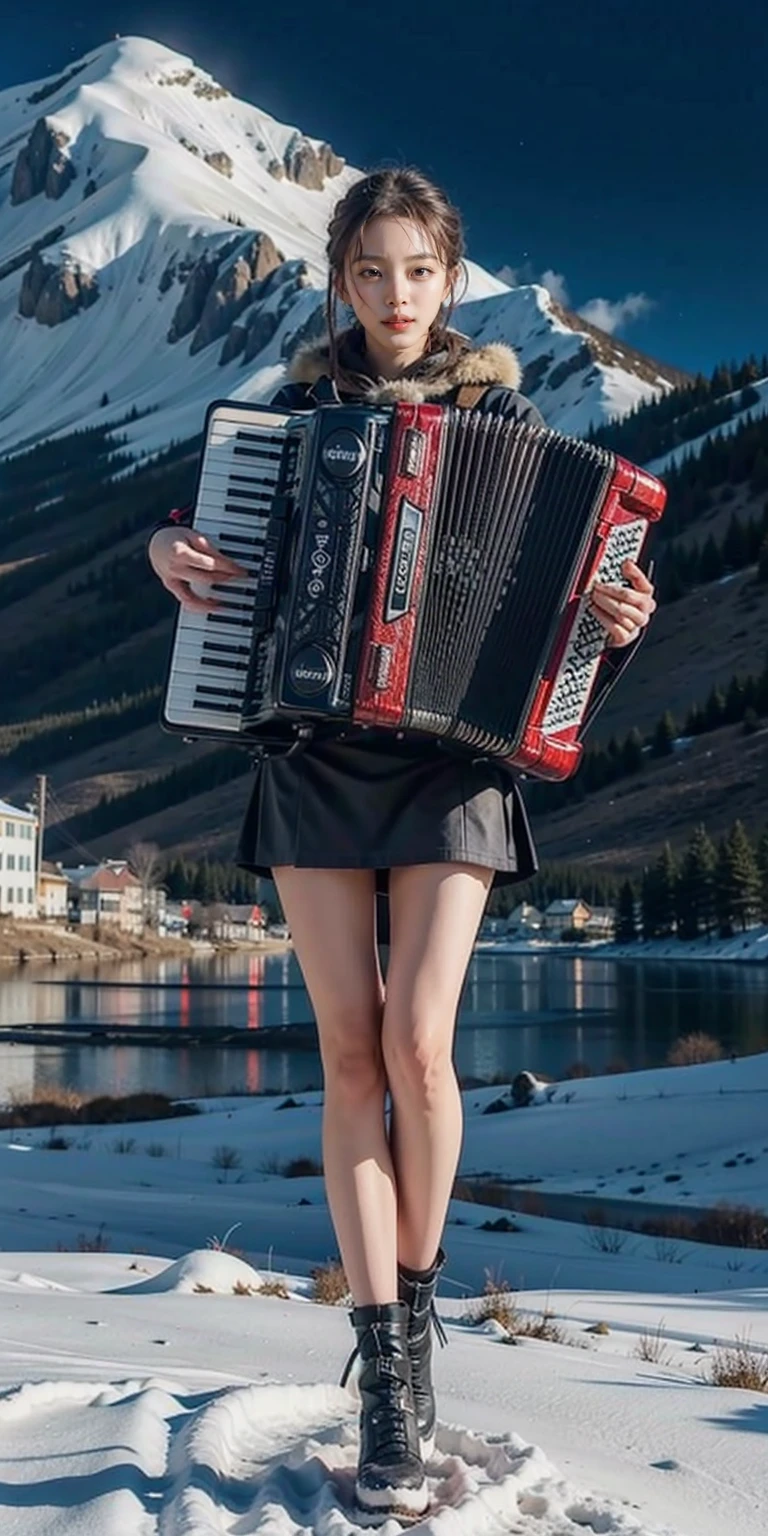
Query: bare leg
{"x":330,"y":913}
{"x":435,"y":913}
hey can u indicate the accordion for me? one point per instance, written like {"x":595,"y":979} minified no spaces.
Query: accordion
{"x":416,"y":567}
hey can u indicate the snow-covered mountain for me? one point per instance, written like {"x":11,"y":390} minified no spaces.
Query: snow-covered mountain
{"x":161,"y":245}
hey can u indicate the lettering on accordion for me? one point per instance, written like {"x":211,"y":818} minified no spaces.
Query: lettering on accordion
{"x":587,"y":640}
{"x":404,"y":557}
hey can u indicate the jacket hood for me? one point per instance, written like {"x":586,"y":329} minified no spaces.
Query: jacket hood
{"x":458,"y":362}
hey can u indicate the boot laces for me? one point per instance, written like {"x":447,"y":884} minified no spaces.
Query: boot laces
{"x":439,"y":1330}
{"x":390,"y":1430}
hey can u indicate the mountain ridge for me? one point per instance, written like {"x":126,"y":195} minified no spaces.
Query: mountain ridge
{"x":162,"y":244}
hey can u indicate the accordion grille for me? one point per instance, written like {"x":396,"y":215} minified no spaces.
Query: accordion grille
{"x":513,"y":513}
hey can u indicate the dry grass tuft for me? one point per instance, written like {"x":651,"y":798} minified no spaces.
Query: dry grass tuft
{"x":740,"y":1365}
{"x":226,"y":1157}
{"x":203,"y":1290}
{"x":499,"y":1304}
{"x":652,"y":1346}
{"x":85,"y":1244}
{"x":724,"y":1225}
{"x":690,"y":1050}
{"x":270,"y":1288}
{"x":604,"y":1239}
{"x":302,"y":1168}
{"x":544,"y":1326}
{"x":62,"y":1106}
{"x":329,"y":1284}
{"x":241,"y":1288}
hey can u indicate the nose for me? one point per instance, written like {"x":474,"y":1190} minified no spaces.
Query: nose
{"x":397,"y":298}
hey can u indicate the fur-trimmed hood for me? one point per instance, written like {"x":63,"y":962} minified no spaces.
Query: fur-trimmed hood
{"x":457,"y":363}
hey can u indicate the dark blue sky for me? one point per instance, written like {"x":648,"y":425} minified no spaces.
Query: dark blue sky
{"x":620,"y":144}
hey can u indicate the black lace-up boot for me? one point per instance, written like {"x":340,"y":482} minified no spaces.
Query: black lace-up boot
{"x":390,"y":1474}
{"x":416,"y":1287}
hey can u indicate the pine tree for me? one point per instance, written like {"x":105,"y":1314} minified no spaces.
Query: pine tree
{"x":695,"y":890}
{"x":664,"y":736}
{"x":666,"y":874}
{"x":762,"y":864}
{"x":649,"y":904}
{"x":743,"y":877}
{"x":711,"y":562}
{"x":632,"y":756}
{"x":735,"y":545}
{"x":626,"y":924}
{"x":723,"y":909}
{"x":735,"y":701}
{"x":714,"y":710}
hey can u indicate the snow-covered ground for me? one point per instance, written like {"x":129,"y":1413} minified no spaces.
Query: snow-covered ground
{"x":749,"y":946}
{"x":149,"y":1388}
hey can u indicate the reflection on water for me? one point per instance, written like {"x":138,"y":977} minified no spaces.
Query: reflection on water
{"x":545,"y":1012}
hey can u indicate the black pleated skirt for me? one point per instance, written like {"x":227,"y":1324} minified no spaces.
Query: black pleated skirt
{"x":374,"y":802}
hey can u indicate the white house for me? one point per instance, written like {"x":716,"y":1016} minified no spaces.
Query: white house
{"x":243,"y":924}
{"x":18,"y":861}
{"x":523,"y":919}
{"x":601,"y":923}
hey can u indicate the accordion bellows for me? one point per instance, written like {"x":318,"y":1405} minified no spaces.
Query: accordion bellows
{"x":416,"y":567}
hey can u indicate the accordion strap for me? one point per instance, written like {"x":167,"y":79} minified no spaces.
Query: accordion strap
{"x":470,"y":394}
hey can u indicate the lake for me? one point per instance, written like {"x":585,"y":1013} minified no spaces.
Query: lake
{"x":544,"y":1012}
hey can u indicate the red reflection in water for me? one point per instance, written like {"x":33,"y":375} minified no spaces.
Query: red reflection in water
{"x":184,"y":997}
{"x":253,"y":1020}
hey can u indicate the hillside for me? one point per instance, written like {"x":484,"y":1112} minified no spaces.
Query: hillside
{"x":81,"y":623}
{"x":213,"y":305}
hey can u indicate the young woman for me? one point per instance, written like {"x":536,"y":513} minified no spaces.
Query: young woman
{"x":345,"y":816}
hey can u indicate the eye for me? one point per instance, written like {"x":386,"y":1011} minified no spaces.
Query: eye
{"x":369,"y":271}
{"x":427,"y":270}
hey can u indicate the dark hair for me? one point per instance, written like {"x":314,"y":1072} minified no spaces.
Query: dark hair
{"x":402,"y":193}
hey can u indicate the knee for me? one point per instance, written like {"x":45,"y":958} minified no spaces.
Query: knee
{"x":417,"y":1057}
{"x":353,"y":1065}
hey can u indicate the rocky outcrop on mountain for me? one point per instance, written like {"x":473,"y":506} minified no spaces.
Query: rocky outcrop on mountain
{"x":579,"y":360}
{"x":22,"y":258}
{"x":307,"y":166}
{"x":190,"y":306}
{"x":52,"y":294}
{"x":219,"y":161}
{"x":612,"y":351}
{"x":311,"y":330}
{"x":231,"y":289}
{"x":52,"y":86}
{"x":268,"y":302}
{"x":197,"y":277}
{"x":42,"y":165}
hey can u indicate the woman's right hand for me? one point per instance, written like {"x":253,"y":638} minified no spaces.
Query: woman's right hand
{"x":180,"y":556}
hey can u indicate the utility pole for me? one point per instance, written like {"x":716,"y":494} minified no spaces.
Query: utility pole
{"x":41,"y":789}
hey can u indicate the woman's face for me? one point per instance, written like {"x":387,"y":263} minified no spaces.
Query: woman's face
{"x":395,"y":284}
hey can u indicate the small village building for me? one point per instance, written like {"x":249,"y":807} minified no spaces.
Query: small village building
{"x":106,"y":893}
{"x":175,"y":917}
{"x":238,"y":924}
{"x":18,"y":861}
{"x":601,"y":923}
{"x":567,"y":913}
{"x":524,"y":919}
{"x":52,"y":893}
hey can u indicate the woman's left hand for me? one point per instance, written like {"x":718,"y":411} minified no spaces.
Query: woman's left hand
{"x":624,"y":611}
